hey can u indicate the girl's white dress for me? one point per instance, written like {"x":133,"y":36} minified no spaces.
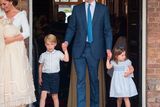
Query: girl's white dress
{"x":16,"y":81}
{"x":122,"y":86}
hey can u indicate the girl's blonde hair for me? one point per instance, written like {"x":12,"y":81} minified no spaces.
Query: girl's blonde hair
{"x":50,"y":38}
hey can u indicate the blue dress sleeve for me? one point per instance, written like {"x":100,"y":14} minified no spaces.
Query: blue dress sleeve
{"x":129,"y":63}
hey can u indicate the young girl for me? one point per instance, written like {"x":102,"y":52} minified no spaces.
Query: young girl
{"x":49,"y":69}
{"x":122,"y":85}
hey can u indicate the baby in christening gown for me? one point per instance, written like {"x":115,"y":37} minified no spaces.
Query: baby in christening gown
{"x":7,"y":28}
{"x":16,"y":81}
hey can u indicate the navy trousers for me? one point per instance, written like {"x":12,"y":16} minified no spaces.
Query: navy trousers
{"x":87,"y":59}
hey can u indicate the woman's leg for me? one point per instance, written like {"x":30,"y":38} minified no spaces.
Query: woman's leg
{"x":127,"y":102}
{"x":43,"y":98}
{"x":55,"y":100}
{"x":119,"y":102}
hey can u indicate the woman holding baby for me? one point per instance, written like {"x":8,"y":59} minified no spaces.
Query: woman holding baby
{"x":16,"y":81}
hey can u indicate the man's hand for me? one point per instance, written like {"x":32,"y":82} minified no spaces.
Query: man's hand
{"x":109,"y":54}
{"x":64,"y":46}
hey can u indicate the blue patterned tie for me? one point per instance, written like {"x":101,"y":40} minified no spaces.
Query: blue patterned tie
{"x":89,"y":33}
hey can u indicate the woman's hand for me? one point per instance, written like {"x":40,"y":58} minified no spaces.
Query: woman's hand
{"x":19,"y":37}
{"x":9,"y":40}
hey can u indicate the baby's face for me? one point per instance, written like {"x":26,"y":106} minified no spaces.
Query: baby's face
{"x":122,"y":56}
{"x":50,"y":46}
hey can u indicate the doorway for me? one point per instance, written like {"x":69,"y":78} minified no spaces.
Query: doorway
{"x":131,"y":21}
{"x":126,"y":19}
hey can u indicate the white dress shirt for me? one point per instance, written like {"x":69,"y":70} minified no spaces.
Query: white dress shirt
{"x":51,"y":61}
{"x":92,"y":8}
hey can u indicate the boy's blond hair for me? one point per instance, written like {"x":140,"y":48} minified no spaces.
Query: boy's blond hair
{"x":50,"y":38}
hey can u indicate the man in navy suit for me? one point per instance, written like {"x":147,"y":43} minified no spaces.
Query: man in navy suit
{"x":87,"y":52}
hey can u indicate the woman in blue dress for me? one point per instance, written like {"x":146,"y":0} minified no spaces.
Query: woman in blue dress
{"x":122,"y":85}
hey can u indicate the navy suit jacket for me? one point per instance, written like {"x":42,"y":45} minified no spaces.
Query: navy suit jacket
{"x":102,"y":32}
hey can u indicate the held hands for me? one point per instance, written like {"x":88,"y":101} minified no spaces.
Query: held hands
{"x":109,"y":54}
{"x":64,"y":46}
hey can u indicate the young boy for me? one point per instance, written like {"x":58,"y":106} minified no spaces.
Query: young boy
{"x":48,"y":69}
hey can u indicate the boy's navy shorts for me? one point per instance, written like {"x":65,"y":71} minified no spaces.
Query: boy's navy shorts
{"x":50,"y":82}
